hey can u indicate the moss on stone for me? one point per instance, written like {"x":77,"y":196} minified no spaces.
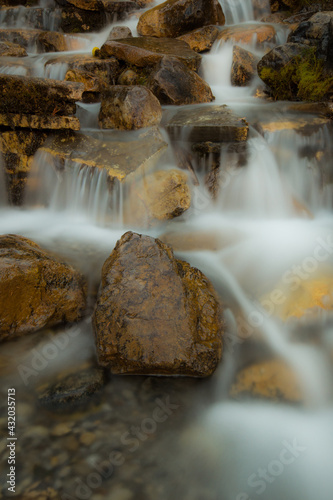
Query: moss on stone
{"x":303,"y":78}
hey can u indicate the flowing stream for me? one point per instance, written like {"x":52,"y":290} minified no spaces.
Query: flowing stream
{"x":270,"y":223}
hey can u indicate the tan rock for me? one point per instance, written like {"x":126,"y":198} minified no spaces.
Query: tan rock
{"x":148,"y":51}
{"x":244,"y":67}
{"x":52,"y":41}
{"x":202,"y":39}
{"x":246,"y":34}
{"x":119,"y":32}
{"x":121,"y":160}
{"x":176,"y":17}
{"x":8,"y":49}
{"x":159,"y":196}
{"x":91,"y":82}
{"x":165,"y":319}
{"x":272,"y":379}
{"x":39,"y":122}
{"x":173,"y":83}
{"x":29,"y":95}
{"x":129,"y":77}
{"x":129,"y":108}
{"x":35,"y":289}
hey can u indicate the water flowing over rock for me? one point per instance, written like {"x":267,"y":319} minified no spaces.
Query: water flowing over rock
{"x":155,"y":314}
{"x":259,"y":34}
{"x":176,"y":17}
{"x":173,"y":83}
{"x":119,"y":159}
{"x":129,"y":108}
{"x":147,"y":51}
{"x":201,"y":39}
{"x":35,"y":289}
{"x":159,"y":196}
{"x":244,"y":67}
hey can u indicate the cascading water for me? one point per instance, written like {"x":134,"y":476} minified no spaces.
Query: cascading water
{"x":269,"y":224}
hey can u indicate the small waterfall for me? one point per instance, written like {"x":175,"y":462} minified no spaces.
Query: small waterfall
{"x":74,"y":189}
{"x":13,"y":69}
{"x":237,"y":11}
{"x":31,"y":17}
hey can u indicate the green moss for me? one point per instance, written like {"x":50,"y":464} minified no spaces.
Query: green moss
{"x":303,"y":78}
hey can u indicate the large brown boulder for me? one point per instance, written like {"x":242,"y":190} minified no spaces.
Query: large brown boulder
{"x":155,"y":314}
{"x":129,"y":108}
{"x":176,"y":17}
{"x":35,"y":289}
{"x":148,"y":51}
{"x":243,"y":68}
{"x":173,"y":83}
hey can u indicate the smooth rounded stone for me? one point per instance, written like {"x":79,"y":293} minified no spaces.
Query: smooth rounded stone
{"x":159,"y":196}
{"x":317,"y":32}
{"x":87,"y":438}
{"x":217,"y":124}
{"x":261,"y":34}
{"x":202,"y":39}
{"x":61,"y":429}
{"x":243,"y":68}
{"x":176,"y":17}
{"x":156,"y":314}
{"x":73,"y":391}
{"x":35,"y":289}
{"x":119,"y":32}
{"x":38,"y":96}
{"x":129,"y":108}
{"x":8,"y":49}
{"x":173,"y":83}
{"x":272,"y":379}
{"x":52,"y":41}
{"x":129,"y":77}
{"x":148,"y":51}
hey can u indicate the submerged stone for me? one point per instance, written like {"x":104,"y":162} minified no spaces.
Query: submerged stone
{"x":260,"y":34}
{"x":155,"y":314}
{"x":148,"y":51}
{"x":35,"y":289}
{"x":176,"y":17}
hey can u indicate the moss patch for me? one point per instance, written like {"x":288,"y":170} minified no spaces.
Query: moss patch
{"x":303,"y":78}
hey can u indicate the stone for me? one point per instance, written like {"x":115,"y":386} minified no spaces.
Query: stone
{"x":202,"y":39}
{"x":29,"y":95}
{"x":8,"y":49}
{"x":317,"y":32}
{"x":121,"y":160}
{"x":119,"y":32}
{"x":173,"y":83}
{"x":244,"y":67}
{"x":91,"y":82}
{"x":261,"y":34}
{"x":72,"y":391}
{"x":215,"y":123}
{"x":45,"y":41}
{"x":22,"y":37}
{"x":159,"y":196}
{"x":36,"y":290}
{"x":52,"y":41}
{"x":155,"y":314}
{"x":148,"y":51}
{"x":272,"y":379}
{"x":39,"y":122}
{"x":129,"y":77}
{"x":129,"y":108}
{"x":75,"y":20}
{"x":176,"y":17}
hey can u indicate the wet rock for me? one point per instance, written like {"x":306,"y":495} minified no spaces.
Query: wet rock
{"x":121,"y":160}
{"x":44,"y":41}
{"x":159,"y":196}
{"x":176,"y":17}
{"x":72,"y":391}
{"x":155,"y":314}
{"x":119,"y":32}
{"x":173,"y":83}
{"x":8,"y":49}
{"x":28,"y":95}
{"x":202,"y":39}
{"x":22,"y":37}
{"x":18,"y":148}
{"x":39,"y":122}
{"x":129,"y":77}
{"x":262,"y":34}
{"x":35,"y":289}
{"x":317,"y":32}
{"x":298,"y":298}
{"x":31,"y":17}
{"x":208,"y":123}
{"x":129,"y":108}
{"x":244,"y":67}
{"x":305,"y":124}
{"x":148,"y":51}
{"x":272,"y":379}
{"x":51,"y":41}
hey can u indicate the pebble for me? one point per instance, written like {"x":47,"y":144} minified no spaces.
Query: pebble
{"x":61,"y":429}
{"x":87,"y":438}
